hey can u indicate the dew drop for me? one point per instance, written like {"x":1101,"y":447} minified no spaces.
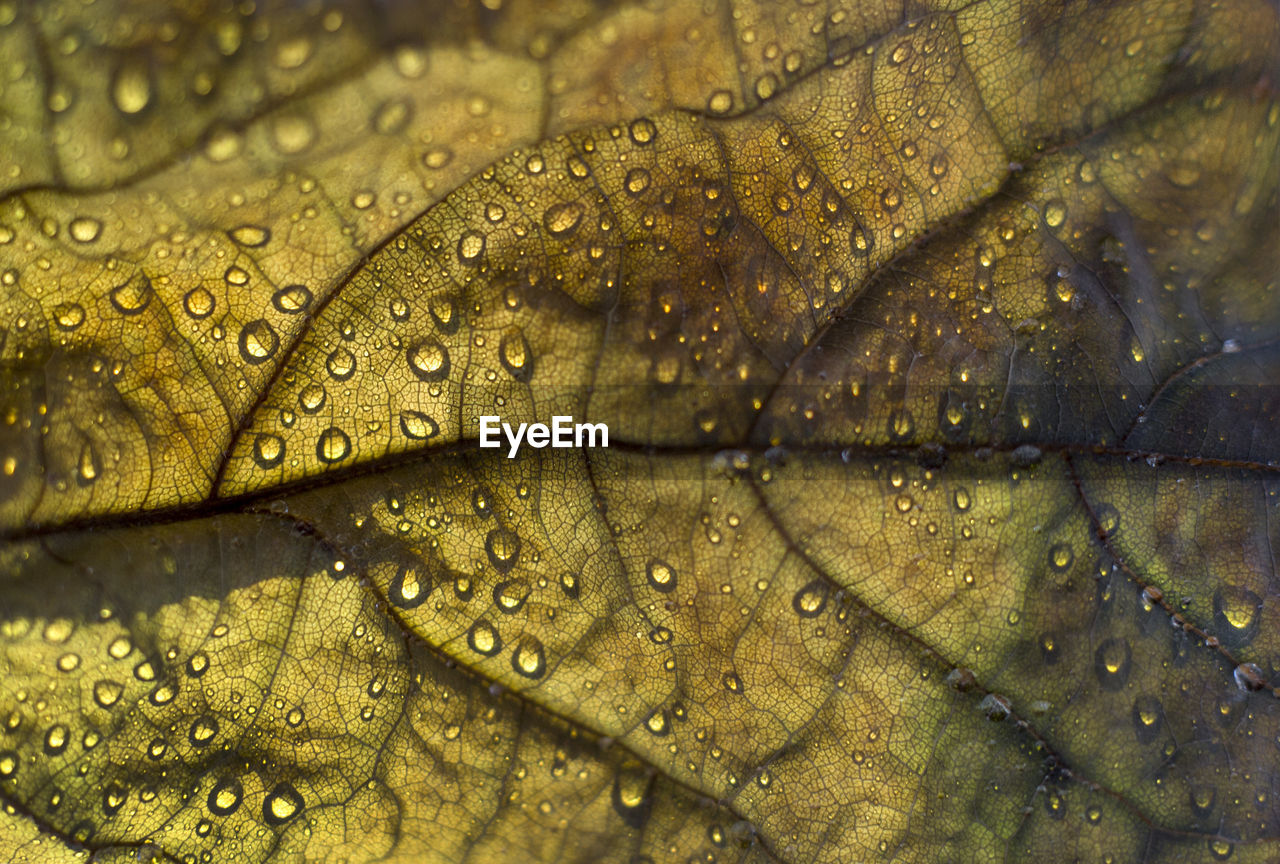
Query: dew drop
{"x":470,"y":246}
{"x":418,"y":426}
{"x":258,"y":342}
{"x":429,"y":360}
{"x":281,"y":804}
{"x":528,"y":658}
{"x":483,"y":638}
{"x":503,"y":547}
{"x":292,"y":299}
{"x":68,"y":316}
{"x":312,"y":398}
{"x":658,"y":722}
{"x":202,"y":731}
{"x":132,"y":297}
{"x":198,"y":303}
{"x":83,"y":229}
{"x":251,"y":236}
{"x":333,"y":445}
{"x":661,"y":576}
{"x":225,"y":797}
{"x":810,"y":600}
{"x":637,"y":180}
{"x":340,"y":364}
{"x":55,"y":740}
{"x":562,"y":219}
{"x":1055,"y":213}
{"x":720,"y":102}
{"x":410,"y":588}
{"x":516,"y":355}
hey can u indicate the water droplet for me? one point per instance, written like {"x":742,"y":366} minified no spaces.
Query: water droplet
{"x":637,"y":180}
{"x":860,"y":242}
{"x":202,"y":731}
{"x":131,"y":85}
{"x":250,"y":235}
{"x":225,"y":797}
{"x":198,"y":303}
{"x":900,"y":54}
{"x":132,"y":297}
{"x":268,"y":450}
{"x":113,"y":798}
{"x":197,"y":664}
{"x":564,"y":218}
{"x":470,"y":246}
{"x":55,"y":740}
{"x":720,"y":102}
{"x":429,"y":360}
{"x":528,"y":658}
{"x":661,"y":575}
{"x":503,"y":546}
{"x":410,"y":588}
{"x":631,"y":794}
{"x":258,"y":342}
{"x":658,"y":722}
{"x":312,"y":398}
{"x":8,"y":763}
{"x":294,"y":717}
{"x":1061,"y":557}
{"x":418,"y":426}
{"x":1220,"y":849}
{"x":1111,"y":663}
{"x":483,"y":638}
{"x":157,"y":748}
{"x":119,"y":648}
{"x":1237,"y":614}
{"x":392,"y":116}
{"x":766,"y":86}
{"x":68,"y":316}
{"x":281,"y":804}
{"x":810,"y":600}
{"x":107,"y":693}
{"x":1055,"y":213}
{"x":732,"y":682}
{"x":333,"y":445}
{"x":1249,"y":677}
{"x":643,"y":131}
{"x":83,"y":229}
{"x":340,"y":364}
{"x":516,"y":355}
{"x":293,"y":133}
{"x":510,"y":596}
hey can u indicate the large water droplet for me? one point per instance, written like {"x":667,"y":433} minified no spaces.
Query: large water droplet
{"x":333,"y":445}
{"x":281,"y":804}
{"x":661,"y":576}
{"x":258,"y":342}
{"x":429,"y":360}
{"x":561,"y":219}
{"x":528,"y":658}
{"x":516,"y":355}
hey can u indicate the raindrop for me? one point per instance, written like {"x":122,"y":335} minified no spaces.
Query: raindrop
{"x":528,"y":658}
{"x":251,"y":236}
{"x":341,"y":364}
{"x":107,"y":693}
{"x":661,"y":576}
{"x":503,"y":546}
{"x":409,"y":588}
{"x":258,"y":342}
{"x":631,"y":798}
{"x":444,"y":311}
{"x":131,"y":85}
{"x":225,"y":797}
{"x":1055,"y":213}
{"x":562,"y":219}
{"x":637,"y":180}
{"x":268,"y":450}
{"x":810,"y":600}
{"x":643,"y":131}
{"x":1237,"y":613}
{"x":509,"y":596}
{"x":483,"y":638}
{"x":203,"y":731}
{"x":658,"y":722}
{"x":281,"y":804}
{"x":429,"y":360}
{"x":292,"y":299}
{"x":333,"y":445}
{"x":311,"y":399}
{"x":1111,"y":663}
{"x":198,"y":303}
{"x":55,"y":740}
{"x":84,"y":229}
{"x":516,"y":355}
{"x":68,"y":316}
{"x":132,"y":297}
{"x":470,"y":246}
{"x":720,"y":102}
{"x":418,"y":426}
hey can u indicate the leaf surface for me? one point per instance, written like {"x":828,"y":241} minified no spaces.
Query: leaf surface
{"x":937,"y":351}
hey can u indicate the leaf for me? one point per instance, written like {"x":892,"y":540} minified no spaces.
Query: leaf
{"x":937,"y":351}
